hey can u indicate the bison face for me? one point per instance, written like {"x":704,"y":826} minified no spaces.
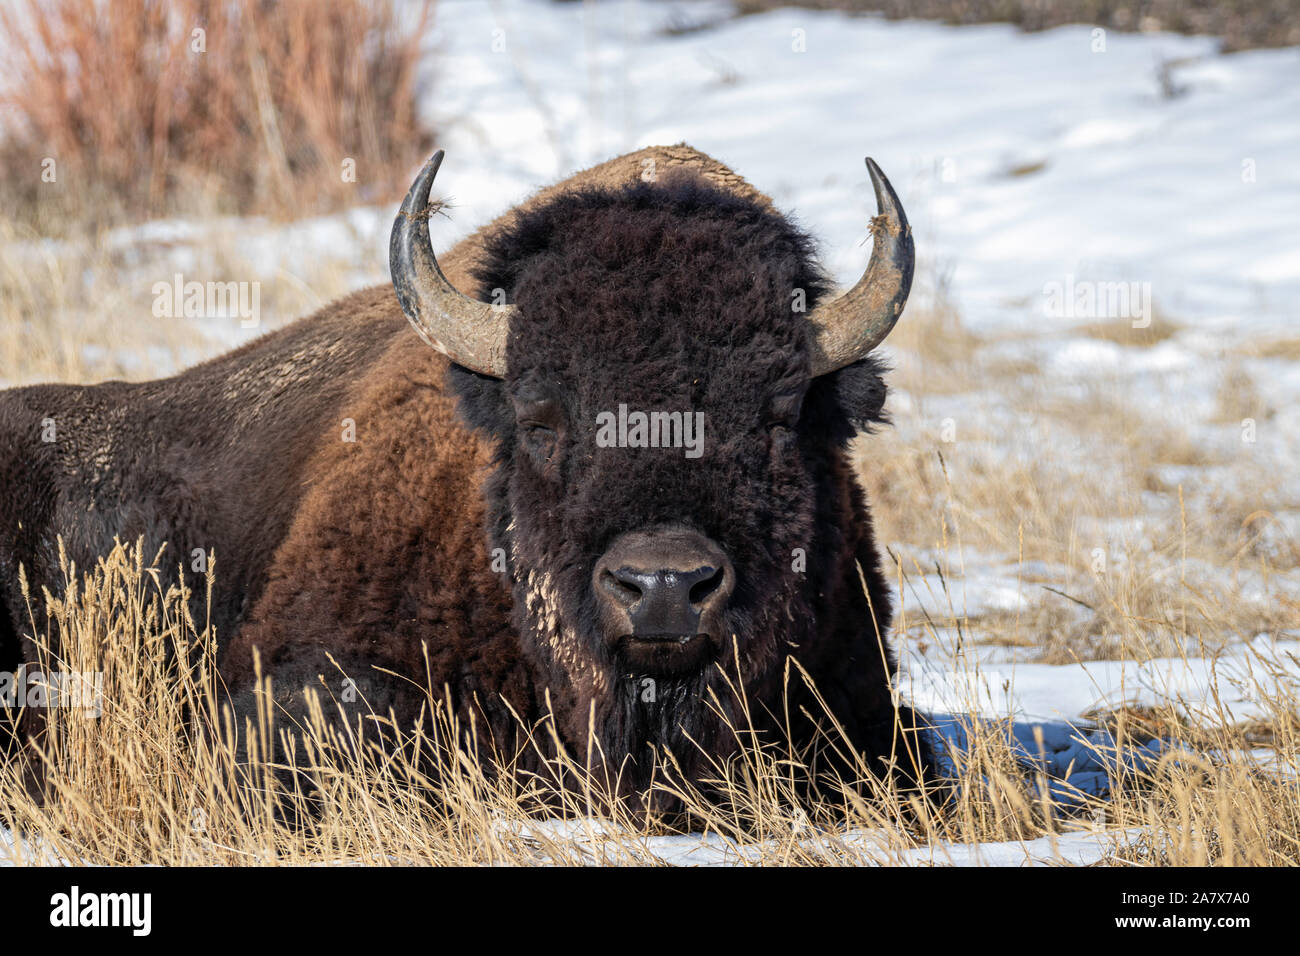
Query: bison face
{"x":653,"y":505}
{"x":669,"y":396}
{"x":657,"y":585}
{"x":662,"y":444}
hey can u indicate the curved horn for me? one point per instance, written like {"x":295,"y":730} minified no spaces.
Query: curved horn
{"x":849,"y":327}
{"x":469,"y":332}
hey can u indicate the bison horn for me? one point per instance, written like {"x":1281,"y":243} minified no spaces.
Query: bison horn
{"x":469,"y":332}
{"x":849,"y":327}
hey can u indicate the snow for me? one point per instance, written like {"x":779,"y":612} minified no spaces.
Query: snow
{"x":1133,"y":185}
{"x":601,"y":844}
{"x":1229,"y":685}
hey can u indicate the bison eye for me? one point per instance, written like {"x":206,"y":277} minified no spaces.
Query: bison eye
{"x":539,"y":440}
{"x":783,"y":414}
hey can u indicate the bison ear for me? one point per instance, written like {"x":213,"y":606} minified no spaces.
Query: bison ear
{"x":860,"y":392}
{"x":481,"y":401}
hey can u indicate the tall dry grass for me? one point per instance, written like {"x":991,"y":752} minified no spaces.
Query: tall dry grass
{"x":1123,"y":524}
{"x":166,"y":775}
{"x":200,"y":106}
{"x":79,"y":309}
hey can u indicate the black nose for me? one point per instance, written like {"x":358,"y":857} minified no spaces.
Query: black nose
{"x":668,"y":584}
{"x":667,"y":601}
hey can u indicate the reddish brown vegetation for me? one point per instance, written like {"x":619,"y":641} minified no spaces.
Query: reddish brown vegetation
{"x":197,"y":105}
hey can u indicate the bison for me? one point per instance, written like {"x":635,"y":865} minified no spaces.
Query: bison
{"x":605,"y":485}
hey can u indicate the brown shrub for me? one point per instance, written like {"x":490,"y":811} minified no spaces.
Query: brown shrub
{"x":207,"y":106}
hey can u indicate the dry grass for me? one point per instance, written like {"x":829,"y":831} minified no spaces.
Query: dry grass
{"x":1277,"y":348}
{"x":165,"y":775}
{"x":1120,"y":524}
{"x":136,"y":121}
{"x":1237,"y":398}
{"x":1242,"y":24}
{"x":80,"y":309}
{"x":140,"y":116}
{"x":1124,"y":332}
{"x":66,"y":315}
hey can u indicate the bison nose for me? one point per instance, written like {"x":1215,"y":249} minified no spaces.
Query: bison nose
{"x":665,"y":584}
{"x":667,"y":601}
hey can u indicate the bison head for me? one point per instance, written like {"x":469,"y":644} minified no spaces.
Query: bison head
{"x":669,"y":387}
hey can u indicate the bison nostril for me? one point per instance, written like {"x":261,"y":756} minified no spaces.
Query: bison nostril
{"x":703,"y":590}
{"x":620,"y":587}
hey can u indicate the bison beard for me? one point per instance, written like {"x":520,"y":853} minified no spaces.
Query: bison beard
{"x":669,"y":716}
{"x":377,"y":555}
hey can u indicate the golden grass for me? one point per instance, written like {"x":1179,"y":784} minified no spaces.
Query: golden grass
{"x":1120,"y":523}
{"x":65,"y":315}
{"x":1240,"y":25}
{"x":1124,"y":332}
{"x":1274,"y":348}
{"x":79,"y":310}
{"x":165,"y":775}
